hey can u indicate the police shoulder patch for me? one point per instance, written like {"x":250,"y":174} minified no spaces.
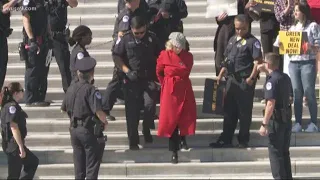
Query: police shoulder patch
{"x":257,"y":44}
{"x":125,"y":18}
{"x":26,"y":2}
{"x":80,"y":55}
{"x":269,"y":86}
{"x":12,"y":109}
{"x":97,"y":94}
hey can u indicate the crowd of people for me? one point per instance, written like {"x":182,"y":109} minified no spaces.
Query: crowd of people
{"x":152,"y":61}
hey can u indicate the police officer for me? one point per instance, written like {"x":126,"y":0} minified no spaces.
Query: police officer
{"x":166,"y":17}
{"x":5,"y":32}
{"x":277,"y":117}
{"x":14,"y":131}
{"x":83,"y":105}
{"x":135,"y":54}
{"x":58,"y":21}
{"x":36,"y":36}
{"x":122,"y":25}
{"x":243,"y":54}
{"x":81,"y":37}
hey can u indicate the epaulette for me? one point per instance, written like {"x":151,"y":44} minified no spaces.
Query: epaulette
{"x":152,"y":33}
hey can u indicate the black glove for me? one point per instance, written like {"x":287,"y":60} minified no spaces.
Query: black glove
{"x":132,"y":75}
{"x":33,"y":47}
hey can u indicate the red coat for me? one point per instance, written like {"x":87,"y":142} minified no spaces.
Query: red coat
{"x":177,"y":102}
{"x":315,"y":9}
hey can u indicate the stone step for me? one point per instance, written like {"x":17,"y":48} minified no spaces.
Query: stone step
{"x":196,"y":28}
{"x":201,"y":139}
{"x":53,"y":111}
{"x":162,"y":155}
{"x":205,"y":177}
{"x":105,"y":68}
{"x":105,"y":55}
{"x":109,"y":19}
{"x":105,"y":43}
{"x":59,"y":125}
{"x":184,"y":169}
{"x":54,"y":81}
{"x":111,"y":7}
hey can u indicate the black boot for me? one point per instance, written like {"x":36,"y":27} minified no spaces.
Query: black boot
{"x":183,"y":143}
{"x":174,"y":158}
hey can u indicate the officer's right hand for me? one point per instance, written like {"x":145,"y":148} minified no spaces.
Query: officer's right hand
{"x":222,"y":16}
{"x":22,"y":152}
{"x":34,"y":48}
{"x":120,"y":34}
{"x":132,"y":75}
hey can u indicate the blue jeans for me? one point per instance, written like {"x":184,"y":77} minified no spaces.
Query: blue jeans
{"x":303,"y":78}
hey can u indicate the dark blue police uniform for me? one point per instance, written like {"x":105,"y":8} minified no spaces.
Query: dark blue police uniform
{"x":5,"y":32}
{"x":78,"y":52}
{"x":278,"y":87}
{"x":139,"y":56}
{"x":122,"y":23}
{"x":240,"y":55}
{"x":12,"y":112}
{"x":81,"y":102}
{"x":58,"y":20}
{"x":36,"y":74}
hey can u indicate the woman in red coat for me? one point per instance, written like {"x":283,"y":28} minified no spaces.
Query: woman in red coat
{"x":177,"y":102}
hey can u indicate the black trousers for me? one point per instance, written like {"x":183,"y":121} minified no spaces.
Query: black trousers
{"x":30,"y":163}
{"x":113,"y":92}
{"x":87,"y":153}
{"x":238,"y":105}
{"x":174,"y":140}
{"x":36,"y":76}
{"x":62,"y":54}
{"x":279,"y":144}
{"x":3,"y":58}
{"x":134,"y":94}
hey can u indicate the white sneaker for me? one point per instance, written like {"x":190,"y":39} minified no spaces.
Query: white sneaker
{"x":311,"y":128}
{"x":296,"y":128}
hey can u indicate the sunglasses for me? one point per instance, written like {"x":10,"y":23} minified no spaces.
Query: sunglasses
{"x":21,"y":90}
{"x":139,"y":33}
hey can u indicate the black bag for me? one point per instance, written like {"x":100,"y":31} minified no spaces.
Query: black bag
{"x":213,"y":97}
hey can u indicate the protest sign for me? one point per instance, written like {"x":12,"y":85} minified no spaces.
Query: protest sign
{"x":213,"y":97}
{"x":293,"y":42}
{"x":217,"y":7}
{"x":264,"y":6}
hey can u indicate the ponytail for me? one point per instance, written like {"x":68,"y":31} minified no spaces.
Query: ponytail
{"x":5,"y":96}
{"x":71,"y":41}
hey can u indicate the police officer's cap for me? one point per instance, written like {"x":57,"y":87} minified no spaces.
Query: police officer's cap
{"x":85,"y":64}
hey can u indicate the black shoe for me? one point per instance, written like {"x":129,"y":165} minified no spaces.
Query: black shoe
{"x":243,"y":145}
{"x":119,"y":102}
{"x":148,"y":138}
{"x":38,"y":104}
{"x":111,"y":118}
{"x":134,"y":147}
{"x":220,"y":144}
{"x":174,"y":158}
{"x":184,"y":145}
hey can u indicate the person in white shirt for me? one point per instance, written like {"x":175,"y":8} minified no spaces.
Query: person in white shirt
{"x":303,"y":68}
